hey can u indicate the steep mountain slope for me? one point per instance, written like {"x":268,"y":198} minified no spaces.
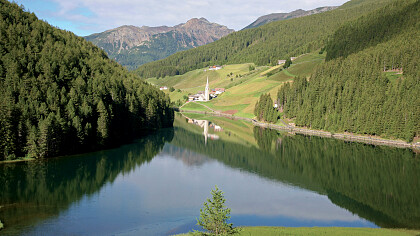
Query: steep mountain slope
{"x":61,"y":94}
{"x":263,"y":45}
{"x":125,"y":37}
{"x":284,"y":16}
{"x":370,"y":83}
{"x":132,"y":46}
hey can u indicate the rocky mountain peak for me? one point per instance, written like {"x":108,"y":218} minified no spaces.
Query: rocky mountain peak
{"x":130,"y":40}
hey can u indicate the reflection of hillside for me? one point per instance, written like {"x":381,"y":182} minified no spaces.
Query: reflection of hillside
{"x":378,"y":183}
{"x":188,"y":157}
{"x":34,"y":191}
{"x":236,"y":155}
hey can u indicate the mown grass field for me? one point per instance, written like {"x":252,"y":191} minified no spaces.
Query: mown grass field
{"x":243,"y":87}
{"x":346,"y":231}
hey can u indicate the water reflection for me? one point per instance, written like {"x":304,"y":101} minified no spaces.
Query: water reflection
{"x":206,"y":125}
{"x":158,"y":184}
{"x":380,"y":184}
{"x":32,"y":192}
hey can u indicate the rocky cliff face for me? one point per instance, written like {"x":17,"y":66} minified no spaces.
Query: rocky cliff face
{"x":132,"y":46}
{"x":203,"y":31}
{"x":284,"y":16}
{"x":125,"y":37}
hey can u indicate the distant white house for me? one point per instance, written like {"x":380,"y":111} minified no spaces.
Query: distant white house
{"x":281,"y":62}
{"x":197,"y":97}
{"x":163,"y":88}
{"x":215,"y":67}
{"x":217,"y":128}
{"x":219,"y":90}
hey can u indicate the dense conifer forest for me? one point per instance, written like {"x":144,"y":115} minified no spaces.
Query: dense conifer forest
{"x":264,"y":45}
{"x":61,"y":94}
{"x":370,"y":83}
{"x":264,"y":109}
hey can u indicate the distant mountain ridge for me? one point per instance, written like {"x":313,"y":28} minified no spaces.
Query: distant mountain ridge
{"x":133,"y":46}
{"x":284,"y":16}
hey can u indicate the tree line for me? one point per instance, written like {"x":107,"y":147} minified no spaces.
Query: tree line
{"x":61,"y":94}
{"x":264,"y":109}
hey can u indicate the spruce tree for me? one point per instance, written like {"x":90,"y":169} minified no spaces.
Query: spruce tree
{"x":214,"y":214}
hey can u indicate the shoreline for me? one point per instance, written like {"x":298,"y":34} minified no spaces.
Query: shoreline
{"x":279,"y":230}
{"x":319,"y":133}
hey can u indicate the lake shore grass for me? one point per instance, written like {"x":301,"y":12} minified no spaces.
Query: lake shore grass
{"x":268,"y":231}
{"x":18,"y":160}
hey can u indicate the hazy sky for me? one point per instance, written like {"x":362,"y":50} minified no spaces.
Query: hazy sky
{"x":84,"y":17}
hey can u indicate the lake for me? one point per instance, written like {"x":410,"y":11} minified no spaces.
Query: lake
{"x":157,"y":184}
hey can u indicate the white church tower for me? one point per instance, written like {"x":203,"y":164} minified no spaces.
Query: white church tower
{"x":206,"y":131}
{"x":207,"y":91}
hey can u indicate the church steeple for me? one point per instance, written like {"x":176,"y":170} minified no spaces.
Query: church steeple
{"x":207,"y":91}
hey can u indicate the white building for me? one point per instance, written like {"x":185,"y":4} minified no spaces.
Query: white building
{"x":207,"y":91}
{"x":215,"y":67}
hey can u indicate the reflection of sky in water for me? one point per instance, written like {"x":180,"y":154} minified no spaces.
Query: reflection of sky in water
{"x":165,"y":196}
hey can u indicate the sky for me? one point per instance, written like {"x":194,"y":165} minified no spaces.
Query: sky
{"x":85,"y":17}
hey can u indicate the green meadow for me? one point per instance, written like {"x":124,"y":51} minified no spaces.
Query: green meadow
{"x":242,"y":86}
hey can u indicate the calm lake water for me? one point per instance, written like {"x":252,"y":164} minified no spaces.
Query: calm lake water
{"x":157,"y":185}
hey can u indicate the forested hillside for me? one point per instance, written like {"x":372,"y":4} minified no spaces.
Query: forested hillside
{"x":61,"y":94}
{"x":263,"y":45}
{"x":370,"y":83}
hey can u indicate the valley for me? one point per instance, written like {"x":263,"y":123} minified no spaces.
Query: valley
{"x":242,"y":89}
{"x":309,"y":120}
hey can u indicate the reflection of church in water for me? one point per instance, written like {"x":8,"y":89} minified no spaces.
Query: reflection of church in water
{"x":206,"y":125}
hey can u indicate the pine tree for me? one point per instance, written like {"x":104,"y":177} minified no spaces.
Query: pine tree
{"x":214,"y":214}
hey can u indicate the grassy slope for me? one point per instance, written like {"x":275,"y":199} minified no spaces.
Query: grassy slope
{"x":241,"y":93}
{"x":268,"y":231}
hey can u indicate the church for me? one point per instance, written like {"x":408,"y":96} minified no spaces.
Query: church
{"x":200,"y":96}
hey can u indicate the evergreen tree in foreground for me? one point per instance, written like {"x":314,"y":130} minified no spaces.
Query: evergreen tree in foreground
{"x":214,"y":214}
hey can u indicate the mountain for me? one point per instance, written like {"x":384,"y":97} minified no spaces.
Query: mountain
{"x":133,"y":46}
{"x":284,"y":16}
{"x":60,"y":94}
{"x":264,"y":45}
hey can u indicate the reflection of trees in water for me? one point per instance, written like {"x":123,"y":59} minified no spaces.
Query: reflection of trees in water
{"x":33,"y":191}
{"x":378,"y":183}
{"x":265,"y":137}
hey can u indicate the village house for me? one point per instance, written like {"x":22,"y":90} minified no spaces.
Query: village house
{"x":215,"y":67}
{"x":163,"y":88}
{"x":219,"y":90}
{"x":281,"y":62}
